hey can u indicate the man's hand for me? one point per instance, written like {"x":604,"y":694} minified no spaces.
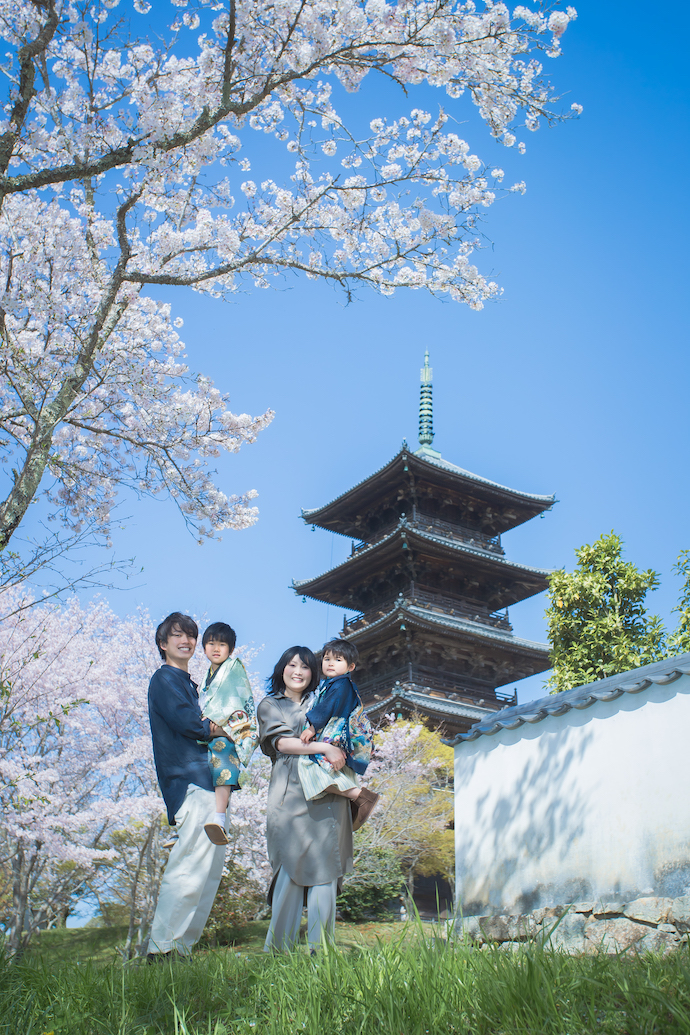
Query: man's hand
{"x":307,"y":735}
{"x":215,"y":730}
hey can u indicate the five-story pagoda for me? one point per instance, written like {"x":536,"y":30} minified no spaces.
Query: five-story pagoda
{"x":431,"y":584}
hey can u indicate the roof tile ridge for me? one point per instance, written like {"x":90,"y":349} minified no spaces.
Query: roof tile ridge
{"x":360,"y":550}
{"x":501,"y":559}
{"x":441,"y":462}
{"x":315,"y":510}
{"x":666,"y":671}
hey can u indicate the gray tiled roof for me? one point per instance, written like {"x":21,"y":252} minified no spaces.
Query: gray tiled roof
{"x":444,"y":465}
{"x":454,"y":622}
{"x":409,"y":528}
{"x":439,"y":706}
{"x":632,"y":682}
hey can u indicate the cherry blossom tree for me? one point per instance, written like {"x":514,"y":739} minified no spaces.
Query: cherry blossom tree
{"x":125,"y":164}
{"x":75,"y":754}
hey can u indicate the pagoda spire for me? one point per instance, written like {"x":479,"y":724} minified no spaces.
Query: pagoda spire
{"x":426,"y":411}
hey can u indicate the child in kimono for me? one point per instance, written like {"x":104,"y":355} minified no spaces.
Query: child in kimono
{"x":226,"y":698}
{"x":336,"y":700}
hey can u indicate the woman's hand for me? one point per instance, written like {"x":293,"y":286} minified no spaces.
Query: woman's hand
{"x":294,"y":746}
{"x":334,"y":754}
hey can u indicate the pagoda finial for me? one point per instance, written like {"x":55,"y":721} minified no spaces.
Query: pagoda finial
{"x":426,"y":404}
{"x":426,"y":411}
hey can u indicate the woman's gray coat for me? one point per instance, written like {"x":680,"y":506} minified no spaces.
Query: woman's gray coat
{"x":311,"y":839}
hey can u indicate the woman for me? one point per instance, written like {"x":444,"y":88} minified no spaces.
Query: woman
{"x":309,"y":842}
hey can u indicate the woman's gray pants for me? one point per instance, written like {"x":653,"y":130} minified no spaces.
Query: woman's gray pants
{"x":287,"y":904}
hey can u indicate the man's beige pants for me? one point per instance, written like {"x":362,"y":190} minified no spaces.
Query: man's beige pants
{"x":191,"y":878}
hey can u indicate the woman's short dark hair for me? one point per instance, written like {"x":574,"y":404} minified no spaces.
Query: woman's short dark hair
{"x":344,"y":648}
{"x":221,"y":632}
{"x":275,"y":682}
{"x":186,"y":624}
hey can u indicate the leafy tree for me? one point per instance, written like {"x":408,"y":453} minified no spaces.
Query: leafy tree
{"x":413,"y":772}
{"x":375,"y":881}
{"x":597,"y":621}
{"x":679,"y":640}
{"x":125,"y":165}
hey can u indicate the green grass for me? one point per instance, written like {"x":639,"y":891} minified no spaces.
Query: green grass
{"x":102,"y":944}
{"x":407,"y":984}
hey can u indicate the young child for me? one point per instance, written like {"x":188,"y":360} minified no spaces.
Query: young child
{"x":336,"y":699}
{"x":226,"y":698}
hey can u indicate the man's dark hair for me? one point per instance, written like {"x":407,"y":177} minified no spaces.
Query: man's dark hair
{"x":186,"y":624}
{"x":221,"y":632}
{"x":275,"y":684}
{"x":344,"y":648}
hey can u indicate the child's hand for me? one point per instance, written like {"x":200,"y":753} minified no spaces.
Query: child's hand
{"x":307,"y":734}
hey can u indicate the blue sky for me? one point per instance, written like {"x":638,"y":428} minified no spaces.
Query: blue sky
{"x":575,"y":382}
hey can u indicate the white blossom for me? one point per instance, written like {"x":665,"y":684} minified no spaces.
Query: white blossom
{"x":112,"y":182}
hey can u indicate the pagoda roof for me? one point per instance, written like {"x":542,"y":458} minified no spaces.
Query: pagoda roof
{"x":438,"y":707}
{"x":339,"y":515}
{"x":432,"y":621}
{"x":375,"y":555}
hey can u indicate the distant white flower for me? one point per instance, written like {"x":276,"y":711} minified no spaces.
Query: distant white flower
{"x":558,"y":22}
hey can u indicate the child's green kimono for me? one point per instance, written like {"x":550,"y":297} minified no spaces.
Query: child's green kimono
{"x":228,"y":701}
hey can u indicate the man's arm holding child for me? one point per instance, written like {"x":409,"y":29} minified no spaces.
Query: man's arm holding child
{"x":178,"y":710}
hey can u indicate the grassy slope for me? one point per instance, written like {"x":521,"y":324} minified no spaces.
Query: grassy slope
{"x":101,"y":944}
{"x":404,"y":984}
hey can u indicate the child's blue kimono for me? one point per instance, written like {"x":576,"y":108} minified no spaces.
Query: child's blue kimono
{"x":336,"y":700}
{"x":228,"y":701}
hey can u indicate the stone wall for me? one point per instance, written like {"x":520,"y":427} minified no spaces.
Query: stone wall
{"x":645,"y":925}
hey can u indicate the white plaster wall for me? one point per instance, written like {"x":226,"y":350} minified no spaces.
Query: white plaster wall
{"x":593,"y":803}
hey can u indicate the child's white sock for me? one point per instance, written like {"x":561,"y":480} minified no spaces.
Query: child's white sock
{"x":220,"y":819}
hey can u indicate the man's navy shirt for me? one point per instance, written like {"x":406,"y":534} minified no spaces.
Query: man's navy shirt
{"x":176,"y":726}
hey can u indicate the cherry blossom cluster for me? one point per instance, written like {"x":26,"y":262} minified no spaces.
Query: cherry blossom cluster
{"x":75,"y":750}
{"x":125,"y":164}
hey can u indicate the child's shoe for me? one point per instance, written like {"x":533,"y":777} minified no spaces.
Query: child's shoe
{"x":171,"y":840}
{"x":216,"y":834}
{"x":362,"y":806}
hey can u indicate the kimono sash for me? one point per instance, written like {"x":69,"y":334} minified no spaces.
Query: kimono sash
{"x":228,"y":701}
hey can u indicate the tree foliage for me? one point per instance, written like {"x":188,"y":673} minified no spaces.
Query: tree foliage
{"x":679,"y":640}
{"x":413,"y":772}
{"x":125,"y":164}
{"x":597,"y":621}
{"x":75,"y":754}
{"x":375,"y":882}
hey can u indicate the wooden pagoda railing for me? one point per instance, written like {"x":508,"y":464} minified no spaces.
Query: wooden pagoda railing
{"x":430,"y":601}
{"x":436,"y":526}
{"x":422,"y":682}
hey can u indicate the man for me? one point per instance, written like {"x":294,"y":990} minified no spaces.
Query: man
{"x":195,"y":865}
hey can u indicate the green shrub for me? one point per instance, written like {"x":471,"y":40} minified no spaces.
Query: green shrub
{"x":236,"y":904}
{"x":368,"y":891}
